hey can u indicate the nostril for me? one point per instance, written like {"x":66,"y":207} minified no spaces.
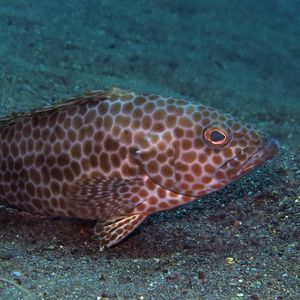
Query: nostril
{"x":273,"y":145}
{"x":264,"y":138}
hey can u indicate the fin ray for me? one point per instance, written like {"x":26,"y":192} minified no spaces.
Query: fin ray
{"x":96,"y":95}
{"x":113,"y":231}
{"x":106,"y":197}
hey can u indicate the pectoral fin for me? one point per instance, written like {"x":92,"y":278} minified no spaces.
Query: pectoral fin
{"x":113,"y":231}
{"x":105,"y":198}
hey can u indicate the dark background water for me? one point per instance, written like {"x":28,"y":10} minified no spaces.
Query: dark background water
{"x":218,"y":52}
{"x":242,"y":57}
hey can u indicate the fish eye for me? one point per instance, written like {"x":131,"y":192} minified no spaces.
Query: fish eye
{"x":216,"y":136}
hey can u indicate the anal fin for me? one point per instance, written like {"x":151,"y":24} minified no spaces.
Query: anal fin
{"x":115,"y":230}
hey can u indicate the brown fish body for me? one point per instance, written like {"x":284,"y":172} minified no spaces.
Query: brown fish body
{"x":116,"y":157}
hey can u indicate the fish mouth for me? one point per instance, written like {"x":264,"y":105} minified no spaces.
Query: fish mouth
{"x":264,"y":153}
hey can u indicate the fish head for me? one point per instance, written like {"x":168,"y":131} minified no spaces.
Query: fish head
{"x":204,"y":151}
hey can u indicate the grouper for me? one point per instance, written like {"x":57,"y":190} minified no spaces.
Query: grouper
{"x":117,"y":157}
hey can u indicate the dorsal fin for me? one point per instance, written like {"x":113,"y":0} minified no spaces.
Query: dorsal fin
{"x":96,"y":95}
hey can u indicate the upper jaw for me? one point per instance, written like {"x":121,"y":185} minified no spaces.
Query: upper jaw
{"x":264,"y":153}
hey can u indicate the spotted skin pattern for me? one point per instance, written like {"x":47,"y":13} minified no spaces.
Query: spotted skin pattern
{"x":117,"y":157}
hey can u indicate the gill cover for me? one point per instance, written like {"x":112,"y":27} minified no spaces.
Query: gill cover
{"x":156,"y":154}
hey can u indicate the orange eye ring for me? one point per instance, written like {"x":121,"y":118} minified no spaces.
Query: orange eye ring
{"x":216,"y":136}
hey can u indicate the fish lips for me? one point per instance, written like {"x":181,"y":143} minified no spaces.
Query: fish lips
{"x":264,"y":153}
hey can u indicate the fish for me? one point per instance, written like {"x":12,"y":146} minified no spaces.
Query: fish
{"x":116,"y":157}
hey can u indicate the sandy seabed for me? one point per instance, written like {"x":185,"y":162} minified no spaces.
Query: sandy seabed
{"x":242,"y":57}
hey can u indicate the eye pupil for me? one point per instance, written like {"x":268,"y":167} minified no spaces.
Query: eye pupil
{"x":217,"y":136}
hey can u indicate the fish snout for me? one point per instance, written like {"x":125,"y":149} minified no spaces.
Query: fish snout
{"x":270,"y":148}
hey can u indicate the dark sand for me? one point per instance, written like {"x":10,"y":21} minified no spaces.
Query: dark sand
{"x":242,"y":57}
